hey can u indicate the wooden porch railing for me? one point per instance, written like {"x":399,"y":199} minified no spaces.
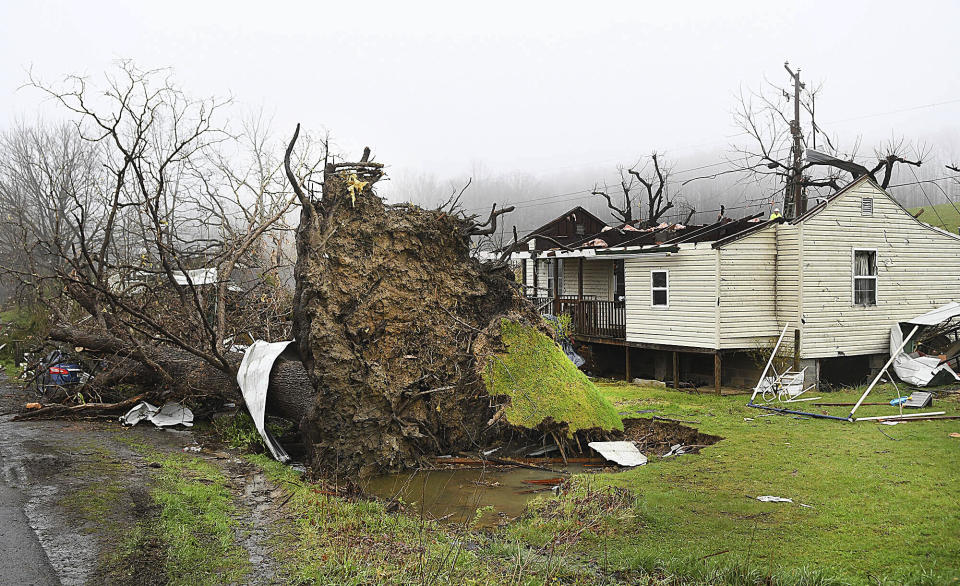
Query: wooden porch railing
{"x":591,"y":317}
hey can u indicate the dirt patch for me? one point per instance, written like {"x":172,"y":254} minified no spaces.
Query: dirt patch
{"x":656,"y":437}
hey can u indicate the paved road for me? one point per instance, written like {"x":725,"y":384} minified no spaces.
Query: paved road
{"x":22,"y":560}
{"x":22,"y":557}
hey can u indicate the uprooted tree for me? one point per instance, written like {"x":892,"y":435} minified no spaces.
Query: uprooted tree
{"x":415,"y":348}
{"x":167,"y":251}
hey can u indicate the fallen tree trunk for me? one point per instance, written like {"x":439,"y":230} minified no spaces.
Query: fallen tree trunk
{"x":183,"y":376}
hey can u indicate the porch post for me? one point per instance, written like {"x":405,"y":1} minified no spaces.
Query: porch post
{"x":523,"y":277}
{"x":580,"y":279}
{"x":536,"y":288}
{"x":626,"y":350}
{"x":716,"y":372}
{"x":796,"y":350}
{"x":676,"y":370}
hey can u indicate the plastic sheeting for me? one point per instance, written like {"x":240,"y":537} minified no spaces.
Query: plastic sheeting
{"x":623,"y":453}
{"x":170,"y":414}
{"x":917,"y":370}
{"x":254,"y":378}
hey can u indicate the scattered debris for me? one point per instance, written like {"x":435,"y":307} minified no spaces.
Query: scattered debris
{"x":623,"y":453}
{"x":903,"y":417}
{"x":919,"y":399}
{"x":170,"y":414}
{"x":676,"y":450}
{"x":647,"y":382}
{"x":253,"y":376}
{"x":955,"y":434}
{"x":33,"y":406}
{"x":930,"y":367}
{"x":774,"y":499}
{"x":543,"y":450}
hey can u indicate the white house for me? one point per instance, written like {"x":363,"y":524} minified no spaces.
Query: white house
{"x":697,"y":305}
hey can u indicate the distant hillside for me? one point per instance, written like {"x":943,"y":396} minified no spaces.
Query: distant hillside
{"x":944,"y":216}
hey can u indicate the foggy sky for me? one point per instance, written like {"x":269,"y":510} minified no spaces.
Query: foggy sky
{"x":545,"y":89}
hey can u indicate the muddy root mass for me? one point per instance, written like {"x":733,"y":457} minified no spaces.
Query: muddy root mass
{"x":389,"y":310}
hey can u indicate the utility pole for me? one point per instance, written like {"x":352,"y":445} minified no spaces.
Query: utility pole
{"x":795,"y":200}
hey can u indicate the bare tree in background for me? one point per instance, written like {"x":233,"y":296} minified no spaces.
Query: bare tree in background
{"x":44,"y":171}
{"x":175,"y":235}
{"x":766,"y":117}
{"x":644,"y":185}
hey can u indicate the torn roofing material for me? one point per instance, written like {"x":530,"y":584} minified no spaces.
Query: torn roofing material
{"x":623,"y":453}
{"x":253,"y":376}
{"x":913,"y":368}
{"x":937,"y":316}
{"x":170,"y":414}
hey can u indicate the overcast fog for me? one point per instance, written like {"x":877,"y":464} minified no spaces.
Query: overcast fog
{"x":532,"y":100}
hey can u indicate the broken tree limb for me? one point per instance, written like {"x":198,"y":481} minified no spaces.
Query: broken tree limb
{"x":84,"y":410}
{"x":490,"y":226}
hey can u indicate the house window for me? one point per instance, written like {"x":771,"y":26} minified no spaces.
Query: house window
{"x":864,"y":277}
{"x":866,"y":206}
{"x":658,"y":288}
{"x":581,"y":230}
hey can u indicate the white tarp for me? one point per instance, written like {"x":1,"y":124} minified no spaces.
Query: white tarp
{"x":914,"y":369}
{"x":254,"y":378}
{"x":623,"y":453}
{"x":170,"y":414}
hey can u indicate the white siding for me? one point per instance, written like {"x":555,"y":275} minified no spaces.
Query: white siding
{"x":748,"y":294}
{"x":918,"y":269}
{"x":597,"y":278}
{"x":690,"y":319}
{"x":788,"y":276}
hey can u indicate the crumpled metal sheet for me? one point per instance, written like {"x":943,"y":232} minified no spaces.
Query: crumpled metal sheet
{"x":253,"y":377}
{"x":937,"y":316}
{"x":917,"y":370}
{"x":170,"y":414}
{"x":623,"y":453}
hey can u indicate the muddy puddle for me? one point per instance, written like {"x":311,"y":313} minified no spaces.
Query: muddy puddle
{"x":454,"y":496}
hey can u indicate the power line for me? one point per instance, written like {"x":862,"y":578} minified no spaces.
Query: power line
{"x":762,"y":200}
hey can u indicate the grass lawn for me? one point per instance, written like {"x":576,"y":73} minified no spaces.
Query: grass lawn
{"x":944,"y":215}
{"x":881,"y":509}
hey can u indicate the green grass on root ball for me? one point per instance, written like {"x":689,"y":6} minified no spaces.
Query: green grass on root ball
{"x":543,"y":384}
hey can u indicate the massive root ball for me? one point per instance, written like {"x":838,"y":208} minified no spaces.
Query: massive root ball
{"x":397,"y":324}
